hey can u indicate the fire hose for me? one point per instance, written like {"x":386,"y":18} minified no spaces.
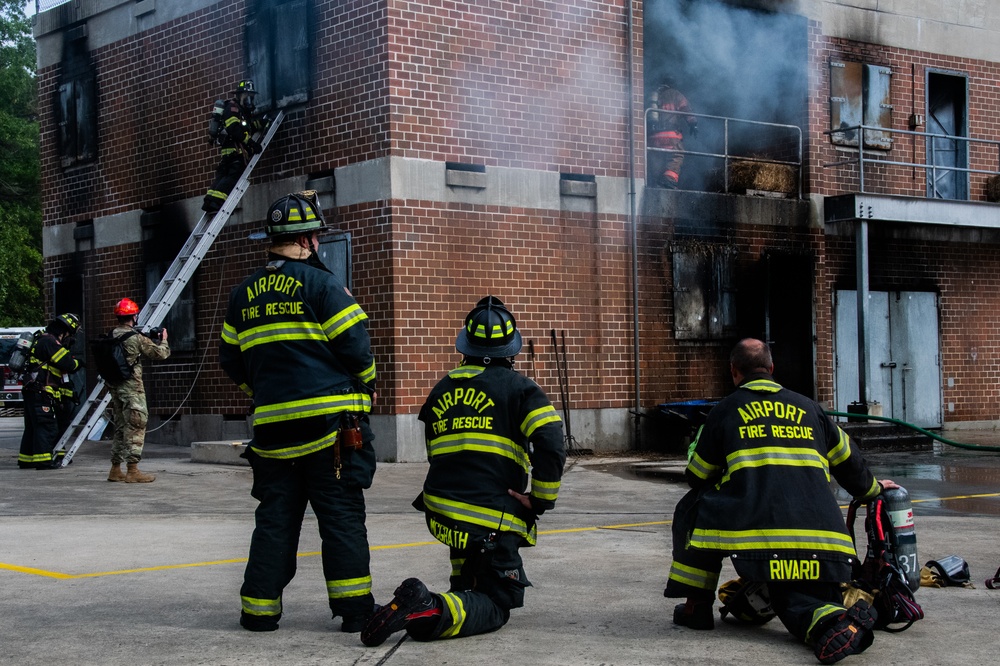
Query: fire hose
{"x":943,"y":440}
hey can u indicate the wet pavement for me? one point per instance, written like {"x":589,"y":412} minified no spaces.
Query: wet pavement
{"x":114,"y":574}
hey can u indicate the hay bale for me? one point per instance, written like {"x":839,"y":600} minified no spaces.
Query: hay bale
{"x":993,"y":189}
{"x":764,"y":176}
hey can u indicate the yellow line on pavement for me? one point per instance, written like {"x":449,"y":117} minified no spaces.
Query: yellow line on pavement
{"x":65,"y":576}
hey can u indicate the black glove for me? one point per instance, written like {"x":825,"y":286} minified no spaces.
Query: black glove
{"x":80,"y":365}
{"x":694,"y":131}
{"x":255,"y":148}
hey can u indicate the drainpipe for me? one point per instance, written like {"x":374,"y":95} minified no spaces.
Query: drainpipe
{"x":632,"y":221}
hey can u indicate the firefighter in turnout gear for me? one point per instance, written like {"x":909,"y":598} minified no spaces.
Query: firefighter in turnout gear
{"x":128,"y":397}
{"x":238,"y":124}
{"x":296,"y":342}
{"x":760,"y":472}
{"x":666,"y":132}
{"x":48,"y":391}
{"x":487,"y":428}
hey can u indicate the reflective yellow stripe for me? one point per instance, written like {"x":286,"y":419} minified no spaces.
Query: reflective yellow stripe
{"x":253,"y":606}
{"x":232,"y":120}
{"x":763,"y":385}
{"x":546,"y":490}
{"x":300,"y":409}
{"x":349,"y":587}
{"x":229,"y":335}
{"x":478,"y":515}
{"x":299,"y":450}
{"x":247,"y":390}
{"x":456,"y":565}
{"x":700,"y":468}
{"x":694,"y":577}
{"x":57,"y":356}
{"x":343,"y":320}
{"x":457,"y":610}
{"x":481,"y":442}
{"x":216,"y":194}
{"x":36,"y":458}
{"x":776,"y":455}
{"x":819,"y":615}
{"x":466,"y":371}
{"x":842,"y":451}
{"x":538,"y":418}
{"x":368,"y":374}
{"x":736,"y":540}
{"x":279,"y":332}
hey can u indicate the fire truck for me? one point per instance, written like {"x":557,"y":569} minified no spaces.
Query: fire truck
{"x":11,"y":394}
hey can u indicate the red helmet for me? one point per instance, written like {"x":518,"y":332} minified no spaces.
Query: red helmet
{"x":126,"y":307}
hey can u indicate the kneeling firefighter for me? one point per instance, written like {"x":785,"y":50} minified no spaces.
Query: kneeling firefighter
{"x":486,"y":426}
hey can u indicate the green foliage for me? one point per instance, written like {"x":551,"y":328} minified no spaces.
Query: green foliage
{"x":20,"y":203}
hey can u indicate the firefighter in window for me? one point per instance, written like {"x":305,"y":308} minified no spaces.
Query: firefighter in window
{"x":232,"y":127}
{"x":666,"y":132}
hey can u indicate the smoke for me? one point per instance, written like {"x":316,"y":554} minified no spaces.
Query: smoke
{"x":729,"y":60}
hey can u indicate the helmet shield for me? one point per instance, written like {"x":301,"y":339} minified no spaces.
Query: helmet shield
{"x":490,"y":331}
{"x":295,"y":214}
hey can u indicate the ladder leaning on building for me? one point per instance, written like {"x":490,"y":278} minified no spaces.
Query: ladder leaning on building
{"x":162,"y":299}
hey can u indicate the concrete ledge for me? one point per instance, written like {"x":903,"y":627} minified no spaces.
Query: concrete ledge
{"x":219,"y":453}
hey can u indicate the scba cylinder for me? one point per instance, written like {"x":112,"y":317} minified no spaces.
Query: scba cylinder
{"x":900,"y":509}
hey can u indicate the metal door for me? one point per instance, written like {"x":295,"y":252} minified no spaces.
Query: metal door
{"x":916,"y":374}
{"x":904,"y":365}
{"x":846,"y":357}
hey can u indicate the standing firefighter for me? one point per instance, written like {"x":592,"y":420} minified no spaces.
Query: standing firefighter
{"x":760,"y":472}
{"x":128,"y":396}
{"x":666,"y":131}
{"x":47,"y":391}
{"x":232,"y":126}
{"x":295,"y":340}
{"x":487,"y":427}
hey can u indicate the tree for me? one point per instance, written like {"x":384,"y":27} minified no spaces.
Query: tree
{"x":20,"y":201}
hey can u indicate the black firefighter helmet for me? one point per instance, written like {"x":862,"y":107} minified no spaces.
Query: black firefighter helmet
{"x":490,"y":331}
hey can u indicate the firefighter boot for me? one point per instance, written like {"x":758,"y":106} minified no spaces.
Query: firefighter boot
{"x":694,"y":614}
{"x":133,"y":475}
{"x":355,"y":622}
{"x":413,"y":601}
{"x":849,"y":633}
{"x":116,"y":473}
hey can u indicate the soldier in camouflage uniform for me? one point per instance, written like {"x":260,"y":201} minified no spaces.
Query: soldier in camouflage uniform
{"x":128,"y":398}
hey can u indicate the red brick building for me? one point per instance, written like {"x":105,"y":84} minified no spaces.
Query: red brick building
{"x":466,"y":148}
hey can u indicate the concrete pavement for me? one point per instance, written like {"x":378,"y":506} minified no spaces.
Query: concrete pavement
{"x":100,"y":573}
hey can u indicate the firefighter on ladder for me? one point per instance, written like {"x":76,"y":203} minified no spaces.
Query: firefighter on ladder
{"x":232,"y":127}
{"x":666,"y":132}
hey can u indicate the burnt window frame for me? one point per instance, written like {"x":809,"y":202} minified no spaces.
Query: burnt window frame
{"x":704,"y":291}
{"x":279,"y":45}
{"x":76,"y":102}
{"x":860,"y":94}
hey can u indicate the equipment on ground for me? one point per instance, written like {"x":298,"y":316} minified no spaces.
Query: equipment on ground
{"x":110,"y":357}
{"x":163,"y":298}
{"x":951,"y":570}
{"x":880,"y":575}
{"x":563,"y":371}
{"x":749,"y":602}
{"x":993,"y":583}
{"x":900,"y":509}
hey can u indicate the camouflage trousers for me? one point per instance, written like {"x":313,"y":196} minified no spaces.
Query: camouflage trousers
{"x":128,"y":405}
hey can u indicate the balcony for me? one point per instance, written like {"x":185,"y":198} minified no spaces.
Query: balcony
{"x":957,"y":184}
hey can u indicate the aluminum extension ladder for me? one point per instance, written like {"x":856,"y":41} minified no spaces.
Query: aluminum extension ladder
{"x":163,"y":298}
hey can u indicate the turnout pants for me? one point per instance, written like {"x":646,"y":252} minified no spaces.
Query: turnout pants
{"x":41,"y":430}
{"x":802,"y":606}
{"x":484,"y":588}
{"x":228,"y":172}
{"x":284,"y":487}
